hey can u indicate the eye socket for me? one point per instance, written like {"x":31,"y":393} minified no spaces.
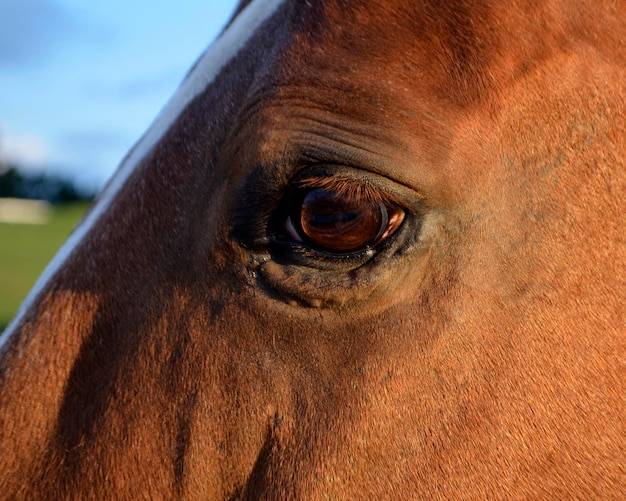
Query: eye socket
{"x":339,"y":216}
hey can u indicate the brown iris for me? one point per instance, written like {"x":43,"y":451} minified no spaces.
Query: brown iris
{"x":338,"y":220}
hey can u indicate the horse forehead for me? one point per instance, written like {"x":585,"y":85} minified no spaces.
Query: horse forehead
{"x":364,"y":57}
{"x":461,"y":49}
{"x":361,"y":58}
{"x":383,"y":42}
{"x":423,"y":58}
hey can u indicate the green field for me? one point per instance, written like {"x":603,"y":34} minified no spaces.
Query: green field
{"x":25,"y":250}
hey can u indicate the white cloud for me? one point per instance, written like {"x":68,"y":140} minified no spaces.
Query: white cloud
{"x":28,"y":151}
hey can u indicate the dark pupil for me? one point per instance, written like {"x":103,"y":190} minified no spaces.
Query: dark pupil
{"x":340,"y":223}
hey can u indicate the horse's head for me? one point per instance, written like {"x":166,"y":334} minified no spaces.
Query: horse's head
{"x":369,"y":249}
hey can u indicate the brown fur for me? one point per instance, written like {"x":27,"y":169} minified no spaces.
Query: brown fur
{"x":481,"y":355}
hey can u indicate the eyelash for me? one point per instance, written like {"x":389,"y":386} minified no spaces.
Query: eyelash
{"x":349,"y":188}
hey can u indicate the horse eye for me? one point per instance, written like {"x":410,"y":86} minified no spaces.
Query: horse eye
{"x":335,"y":222}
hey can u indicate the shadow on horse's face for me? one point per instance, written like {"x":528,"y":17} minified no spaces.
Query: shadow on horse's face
{"x":367,"y":250}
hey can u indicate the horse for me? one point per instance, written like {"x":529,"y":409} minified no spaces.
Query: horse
{"x":368,"y":250}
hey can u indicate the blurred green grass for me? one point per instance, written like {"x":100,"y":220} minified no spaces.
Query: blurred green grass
{"x":25,"y":250}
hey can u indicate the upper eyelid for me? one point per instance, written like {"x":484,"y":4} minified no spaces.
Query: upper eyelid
{"x":346,"y":179}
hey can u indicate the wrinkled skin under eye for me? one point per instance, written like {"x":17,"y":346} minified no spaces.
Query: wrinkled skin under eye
{"x":333,"y":221}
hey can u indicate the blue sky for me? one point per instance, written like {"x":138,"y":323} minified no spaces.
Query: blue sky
{"x":80,"y":80}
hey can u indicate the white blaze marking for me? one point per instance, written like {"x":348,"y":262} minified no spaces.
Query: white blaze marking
{"x":206,"y":70}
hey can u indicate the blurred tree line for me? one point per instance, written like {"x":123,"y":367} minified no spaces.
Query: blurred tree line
{"x":53,"y":189}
